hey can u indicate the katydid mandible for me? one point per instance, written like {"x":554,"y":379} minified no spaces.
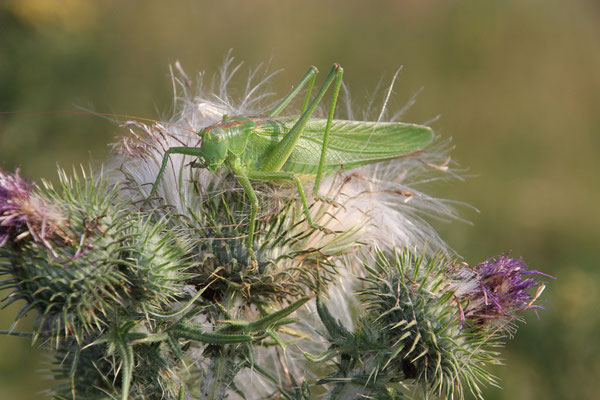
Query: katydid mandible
{"x":274,"y":148}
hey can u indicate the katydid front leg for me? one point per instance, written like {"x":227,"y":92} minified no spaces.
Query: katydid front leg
{"x":242,"y":176}
{"x":187,"y":151}
{"x":240,"y":173}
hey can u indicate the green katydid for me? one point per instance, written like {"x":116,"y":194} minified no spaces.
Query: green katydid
{"x":273,"y":148}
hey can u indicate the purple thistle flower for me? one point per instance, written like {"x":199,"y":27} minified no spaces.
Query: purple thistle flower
{"x":14,"y":194}
{"x":497,"y":288}
{"x":23,"y":214}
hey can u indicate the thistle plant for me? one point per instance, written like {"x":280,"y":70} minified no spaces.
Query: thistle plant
{"x":155,"y":294}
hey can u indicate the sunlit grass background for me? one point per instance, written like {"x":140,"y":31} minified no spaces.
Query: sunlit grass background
{"x":517,"y":85}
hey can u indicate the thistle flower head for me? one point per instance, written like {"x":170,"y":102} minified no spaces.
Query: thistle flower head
{"x":101,"y":259}
{"x":496,"y":289}
{"x":406,"y":295}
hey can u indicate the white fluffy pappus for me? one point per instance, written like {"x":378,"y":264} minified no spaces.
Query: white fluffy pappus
{"x":380,"y":204}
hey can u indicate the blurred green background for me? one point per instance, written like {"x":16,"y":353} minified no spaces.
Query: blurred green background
{"x":517,"y":85}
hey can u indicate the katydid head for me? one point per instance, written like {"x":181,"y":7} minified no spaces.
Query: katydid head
{"x":213,"y":147}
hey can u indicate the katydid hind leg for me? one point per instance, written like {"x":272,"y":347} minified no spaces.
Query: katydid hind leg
{"x":311,"y":85}
{"x":289,"y":176}
{"x":330,"y":115}
{"x":309,"y":77}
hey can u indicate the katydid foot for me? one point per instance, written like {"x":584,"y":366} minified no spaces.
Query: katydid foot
{"x":323,"y":229}
{"x":328,"y":200}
